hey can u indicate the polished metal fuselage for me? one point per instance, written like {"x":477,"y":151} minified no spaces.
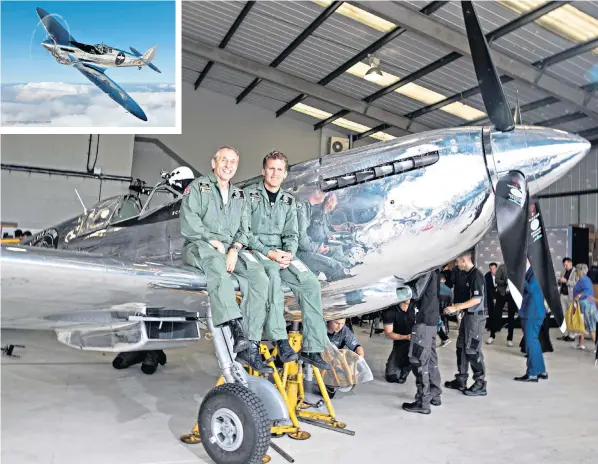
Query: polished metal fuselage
{"x":401,"y":225}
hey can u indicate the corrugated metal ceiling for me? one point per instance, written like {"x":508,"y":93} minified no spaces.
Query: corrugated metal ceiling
{"x":271,"y":26}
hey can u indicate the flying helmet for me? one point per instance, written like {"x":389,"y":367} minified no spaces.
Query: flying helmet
{"x":404,"y":293}
{"x":180,"y":178}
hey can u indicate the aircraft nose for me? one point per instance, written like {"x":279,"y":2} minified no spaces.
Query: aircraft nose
{"x":544,"y":155}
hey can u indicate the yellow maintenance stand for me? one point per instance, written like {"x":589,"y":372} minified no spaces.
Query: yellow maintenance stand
{"x":289,"y":383}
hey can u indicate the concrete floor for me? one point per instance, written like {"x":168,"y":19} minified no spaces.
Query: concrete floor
{"x":62,"y":406}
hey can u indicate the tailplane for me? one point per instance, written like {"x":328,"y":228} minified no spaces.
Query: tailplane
{"x":147,"y":57}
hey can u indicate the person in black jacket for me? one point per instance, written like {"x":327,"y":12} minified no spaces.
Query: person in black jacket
{"x":422,"y":349}
{"x":490,"y":292}
{"x":471,"y":331}
{"x":398,"y":321}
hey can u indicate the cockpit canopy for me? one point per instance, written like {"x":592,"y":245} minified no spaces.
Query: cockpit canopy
{"x":102,"y":48}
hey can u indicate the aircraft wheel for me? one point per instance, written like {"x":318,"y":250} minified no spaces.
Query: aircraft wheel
{"x":234,"y":425}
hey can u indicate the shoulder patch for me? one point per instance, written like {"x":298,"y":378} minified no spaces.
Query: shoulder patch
{"x":238,"y":195}
{"x":204,"y":187}
{"x":255,"y":196}
{"x":299,"y":205}
{"x":286,"y":199}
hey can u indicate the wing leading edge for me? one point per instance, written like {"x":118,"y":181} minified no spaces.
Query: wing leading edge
{"x":96,"y":75}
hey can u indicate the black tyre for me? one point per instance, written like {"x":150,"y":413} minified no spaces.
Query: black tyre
{"x":234,"y":425}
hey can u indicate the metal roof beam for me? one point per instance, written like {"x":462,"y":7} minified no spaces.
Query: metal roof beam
{"x":448,"y":37}
{"x":447,"y":59}
{"x":588,"y":133}
{"x":334,"y":117}
{"x":381,"y":42}
{"x":293,"y":45}
{"x":229,"y":35}
{"x":372,"y":131}
{"x":523,"y":109}
{"x":567,"y":54}
{"x":289,"y":81}
{"x":561,"y":119}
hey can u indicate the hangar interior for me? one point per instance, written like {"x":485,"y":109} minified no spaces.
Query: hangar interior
{"x":312,"y":78}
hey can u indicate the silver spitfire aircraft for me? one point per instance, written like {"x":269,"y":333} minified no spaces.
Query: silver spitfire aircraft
{"x":113,"y":279}
{"x":92,"y":60}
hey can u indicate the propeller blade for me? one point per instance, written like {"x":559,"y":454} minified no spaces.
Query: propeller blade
{"x":538,"y":252}
{"x":511,"y":219}
{"x":494,"y":98}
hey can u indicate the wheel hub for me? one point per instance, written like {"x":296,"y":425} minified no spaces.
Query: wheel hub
{"x":227,"y":429}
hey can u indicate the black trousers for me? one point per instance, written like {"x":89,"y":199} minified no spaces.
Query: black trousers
{"x":469,"y":348}
{"x":497,"y":315}
{"x":398,"y":364}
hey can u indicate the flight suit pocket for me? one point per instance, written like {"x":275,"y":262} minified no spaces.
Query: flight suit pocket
{"x":299,"y":270}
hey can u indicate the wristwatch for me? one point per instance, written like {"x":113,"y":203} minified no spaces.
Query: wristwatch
{"x":237,"y":247}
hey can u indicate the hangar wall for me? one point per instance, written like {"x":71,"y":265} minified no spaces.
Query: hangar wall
{"x":211,"y":119}
{"x":36,"y":200}
{"x":574,"y":209}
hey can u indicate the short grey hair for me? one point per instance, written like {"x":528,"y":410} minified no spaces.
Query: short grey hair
{"x":225,"y":147}
{"x":582,"y":268}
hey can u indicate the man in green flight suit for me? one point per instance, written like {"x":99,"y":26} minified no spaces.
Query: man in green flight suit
{"x":215,"y":223}
{"x":274,"y":240}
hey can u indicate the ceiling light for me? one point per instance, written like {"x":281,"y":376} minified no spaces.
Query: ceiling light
{"x":362,"y":16}
{"x":341,"y":122}
{"x":566,"y":21}
{"x":374,"y":74}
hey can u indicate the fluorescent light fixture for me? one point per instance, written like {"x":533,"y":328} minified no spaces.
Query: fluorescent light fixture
{"x":341,"y":122}
{"x":360,"y":15}
{"x":566,"y":21}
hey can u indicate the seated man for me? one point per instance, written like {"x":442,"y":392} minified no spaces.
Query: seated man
{"x":341,"y":336}
{"x":398,"y":321}
{"x":215,"y":223}
{"x":274,"y":240}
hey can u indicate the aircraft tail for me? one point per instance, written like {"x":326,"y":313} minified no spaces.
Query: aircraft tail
{"x":147,"y":57}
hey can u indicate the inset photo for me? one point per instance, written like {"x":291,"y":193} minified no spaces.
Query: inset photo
{"x":77,"y":66}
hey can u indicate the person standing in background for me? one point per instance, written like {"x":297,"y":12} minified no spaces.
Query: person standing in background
{"x":503,"y":295}
{"x":490,"y":292}
{"x":532,"y":314}
{"x":567,"y":282}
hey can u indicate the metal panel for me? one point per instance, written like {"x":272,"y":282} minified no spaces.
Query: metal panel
{"x":491,"y":15}
{"x":577,"y":126}
{"x":353,"y":85}
{"x":452,"y":78}
{"x":438,"y":119}
{"x":590,"y":8}
{"x":231,"y":76}
{"x":271,"y":27}
{"x":209,"y":21}
{"x":322,"y":105}
{"x":579,"y":70}
{"x":316,"y":58}
{"x":271,"y":104}
{"x":588,"y":209}
{"x":397,"y":103}
{"x":268,"y":89}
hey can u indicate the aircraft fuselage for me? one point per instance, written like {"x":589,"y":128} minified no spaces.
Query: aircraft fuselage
{"x":100,"y":55}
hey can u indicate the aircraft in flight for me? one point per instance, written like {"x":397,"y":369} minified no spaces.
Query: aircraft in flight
{"x":93,"y":60}
{"x":112,"y":279}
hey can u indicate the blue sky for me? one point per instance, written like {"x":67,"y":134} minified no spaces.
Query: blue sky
{"x":140,"y":24}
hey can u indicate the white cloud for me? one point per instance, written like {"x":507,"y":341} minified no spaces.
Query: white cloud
{"x":39,"y":91}
{"x":71,"y":105}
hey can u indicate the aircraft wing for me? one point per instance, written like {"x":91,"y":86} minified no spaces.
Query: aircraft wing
{"x":54,"y":29}
{"x":96,"y":75}
{"x":117,"y":304}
